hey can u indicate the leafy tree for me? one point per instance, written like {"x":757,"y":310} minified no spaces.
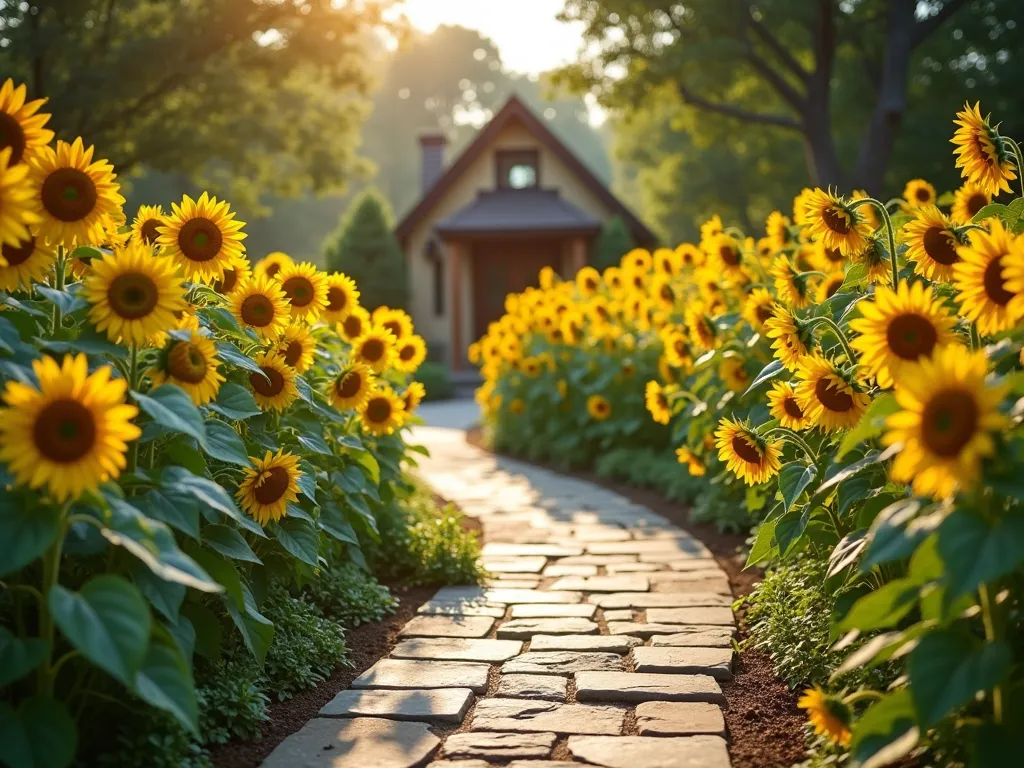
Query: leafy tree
{"x":364,"y":248}
{"x":613,"y":242}
{"x":245,"y":94}
{"x":841,"y":76}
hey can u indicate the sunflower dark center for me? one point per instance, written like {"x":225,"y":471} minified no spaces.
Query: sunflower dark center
{"x":336,"y":299}
{"x":378,"y":410}
{"x":832,"y":287}
{"x":227,"y":285}
{"x":939,"y":246}
{"x":349,"y":384}
{"x":64,"y":431}
{"x":975,"y":203}
{"x":148,"y":230}
{"x":271,"y":388}
{"x":995,"y":286}
{"x":200,"y":239}
{"x":949,"y":421}
{"x":746,"y":451}
{"x":373,"y":350}
{"x":352,"y":325}
{"x":293,"y":353}
{"x":273,"y":487}
{"x":12,"y":135}
{"x":257,"y":310}
{"x":831,"y":396}
{"x":20,"y":253}
{"x":272,"y":269}
{"x":299,"y":291}
{"x":408,"y":352}
{"x":836,"y":219}
{"x":834,"y":255}
{"x":186,"y":362}
{"x":395,"y":327}
{"x":667,"y":294}
{"x":132,"y":295}
{"x":680,"y":347}
{"x":730,"y":255}
{"x":911,"y":337}
{"x":68,"y":194}
{"x":590,"y":284}
{"x":764,"y":313}
{"x":792,"y":409}
{"x":923,"y":194}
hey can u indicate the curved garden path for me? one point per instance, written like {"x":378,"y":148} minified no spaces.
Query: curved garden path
{"x":600,"y":639}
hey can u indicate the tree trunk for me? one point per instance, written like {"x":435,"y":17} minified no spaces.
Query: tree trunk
{"x":819,"y":146}
{"x":891,"y":100}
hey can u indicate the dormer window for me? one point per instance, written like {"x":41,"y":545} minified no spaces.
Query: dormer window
{"x":517,"y":168}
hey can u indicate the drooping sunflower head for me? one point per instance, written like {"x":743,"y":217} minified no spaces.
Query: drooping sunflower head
{"x":271,"y":264}
{"x":375,"y":348}
{"x":829,"y":715}
{"x":306,"y":289}
{"x":967,"y":201}
{"x":690,"y":256}
{"x":792,"y":339}
{"x":751,"y":457}
{"x":203,"y":236}
{"x":784,"y":407}
{"x":413,"y":396}
{"x":70,"y":433}
{"x":598,"y":407}
{"x":918,"y":193}
{"x":342,"y":297}
{"x":986,"y":297}
{"x":351,"y":388}
{"x":875,"y":259}
{"x":297,"y":346}
{"x":734,"y":374}
{"x":22,"y":125}
{"x":777,"y":229}
{"x":30,"y":261}
{"x":983,"y":156}
{"x":275,"y":390}
{"x":588,"y":282}
{"x":757,"y":308}
{"x":395,"y":320}
{"x":898,"y":328}
{"x":269,"y":485}
{"x":383,"y":412}
{"x":657,"y":402}
{"x":932,"y":243}
{"x":147,"y":223}
{"x":76,"y":197}
{"x":410,"y":353}
{"x":235,"y":273}
{"x":829,"y":285}
{"x":835,"y":222}
{"x":949,"y":417}
{"x":17,"y":201}
{"x":190,"y":362}
{"x":135,"y":296}
{"x":260,"y":304}
{"x":694,"y":465}
{"x":701,"y":324}
{"x":791,"y":284}
{"x":830,"y":398}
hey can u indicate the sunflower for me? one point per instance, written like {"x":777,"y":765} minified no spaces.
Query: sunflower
{"x":875,"y":260}
{"x":69,"y":434}
{"x":342,"y":297}
{"x":677,"y":351}
{"x":598,"y":407}
{"x":547,"y":278}
{"x":134,"y":295}
{"x":777,"y":229}
{"x":709,"y":230}
{"x":413,"y":396}
{"x":190,"y":363}
{"x":395,"y":320}
{"x":757,"y":308}
{"x":667,"y":262}
{"x":21,"y":125}
{"x":829,"y":286}
{"x":747,"y":455}
{"x":703,"y":333}
{"x":269,"y":485}
{"x":801,"y":212}
{"x":613,"y":278}
{"x":74,"y":197}
{"x":271,"y":264}
{"x":637,"y":260}
{"x":376,"y":348}
{"x":351,"y":387}
{"x":410,"y":353}
{"x":832,"y":220}
{"x":235,"y":273}
{"x":932,"y":243}
{"x":354,"y":325}
{"x":918,"y":193}
{"x":689,"y":255}
{"x":30,"y":261}
{"x":827,"y":259}
{"x":203,"y":236}
{"x":726,"y":254}
{"x":275,"y":389}
{"x":765,"y":250}
{"x":260,"y":304}
{"x":693,"y":463}
{"x":733,"y":374}
{"x":829,"y":715}
{"x":16,"y":201}
{"x":588,"y":281}
{"x":985,"y":297}
{"x":297,"y":346}
{"x":656,"y":400}
{"x":784,"y":407}
{"x":983,"y":156}
{"x":148,"y":220}
{"x":791,"y":285}
{"x":898,"y":328}
{"x":868,"y":211}
{"x":967,"y":201}
{"x":663,"y":292}
{"x":383,"y":411}
{"x":830,"y":399}
{"x":306,"y":289}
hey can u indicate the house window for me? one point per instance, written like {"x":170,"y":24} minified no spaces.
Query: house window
{"x":437,"y":271}
{"x":518,"y":169}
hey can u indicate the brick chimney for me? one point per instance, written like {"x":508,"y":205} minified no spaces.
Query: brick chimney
{"x":432,"y":144}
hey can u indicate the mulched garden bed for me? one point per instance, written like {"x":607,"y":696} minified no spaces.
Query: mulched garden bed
{"x":766,"y":730}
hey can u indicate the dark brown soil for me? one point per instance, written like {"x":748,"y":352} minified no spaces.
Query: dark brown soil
{"x":366,"y":644}
{"x":766,"y":730}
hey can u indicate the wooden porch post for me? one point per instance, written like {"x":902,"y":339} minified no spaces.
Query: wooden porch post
{"x":455,"y":258}
{"x":577,"y":255}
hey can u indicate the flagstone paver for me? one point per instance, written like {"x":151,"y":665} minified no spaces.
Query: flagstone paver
{"x":627,"y":582}
{"x":500,"y":746}
{"x":514,"y":565}
{"x":331,"y":743}
{"x":703,"y":637}
{"x":679,"y":718}
{"x":570,"y":570}
{"x":636,"y":686}
{"x":447,"y":626}
{"x":584,"y":643}
{"x":447,"y":705}
{"x":699,"y":615}
{"x":554,"y":611}
{"x":533,"y":687}
{"x":619,"y":614}
{"x":526,"y":628}
{"x":650,"y":600}
{"x":405,"y":673}
{"x":652,"y":630}
{"x":716,"y":662}
{"x":651,"y":752}
{"x":562,"y":663}
{"x":517,"y":715}
{"x":461,"y":608}
{"x":457,"y":649}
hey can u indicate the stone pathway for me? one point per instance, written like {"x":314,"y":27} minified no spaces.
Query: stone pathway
{"x":600,"y":638}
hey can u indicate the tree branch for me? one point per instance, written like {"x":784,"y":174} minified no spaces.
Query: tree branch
{"x":789,"y":94}
{"x":780,"y":121}
{"x":777,"y":48}
{"x":923,"y":29}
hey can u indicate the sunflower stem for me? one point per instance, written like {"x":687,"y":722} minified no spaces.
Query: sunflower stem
{"x":58,"y":284}
{"x":834,"y":327}
{"x":790,"y":436}
{"x":864,"y":695}
{"x":988,"y":616}
{"x":975,"y":338}
{"x":1020,"y":161}
{"x":51,"y":572}
{"x":133,"y":383}
{"x":890,"y":232}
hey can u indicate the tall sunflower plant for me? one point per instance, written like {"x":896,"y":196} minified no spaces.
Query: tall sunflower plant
{"x":859,"y":369}
{"x":179,"y":429}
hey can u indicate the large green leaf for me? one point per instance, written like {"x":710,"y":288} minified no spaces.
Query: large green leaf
{"x":256,"y":629}
{"x":299,"y":538}
{"x":26,"y":531}
{"x":180,"y":480}
{"x":230,"y":354}
{"x":18,"y":656}
{"x":40,"y":733}
{"x":223,"y":571}
{"x":165,"y":681}
{"x":207,"y":630}
{"x":871,"y":424}
{"x":897,"y":532}
{"x":224,"y":443}
{"x":884,"y":607}
{"x":314,"y":443}
{"x":307,"y":480}
{"x":794,"y":478}
{"x":790,"y":527}
{"x":769,"y":372}
{"x":235,"y":402}
{"x":332,"y":520}
{"x":977,"y":551}
{"x":179,"y":510}
{"x":886,"y":732}
{"x":107,"y":621}
{"x":165,"y":596}
{"x":764,"y":548}
{"x":948,"y":668}
{"x":171,"y":407}
{"x":229,"y":542}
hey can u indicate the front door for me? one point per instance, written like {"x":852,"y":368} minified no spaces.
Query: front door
{"x":502,"y":267}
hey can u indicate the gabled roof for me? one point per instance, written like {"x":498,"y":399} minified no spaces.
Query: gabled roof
{"x":505,"y":211}
{"x":516,"y":110}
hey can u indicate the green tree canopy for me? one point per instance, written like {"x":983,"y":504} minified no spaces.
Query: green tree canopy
{"x":614,"y":241}
{"x":364,"y":248}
